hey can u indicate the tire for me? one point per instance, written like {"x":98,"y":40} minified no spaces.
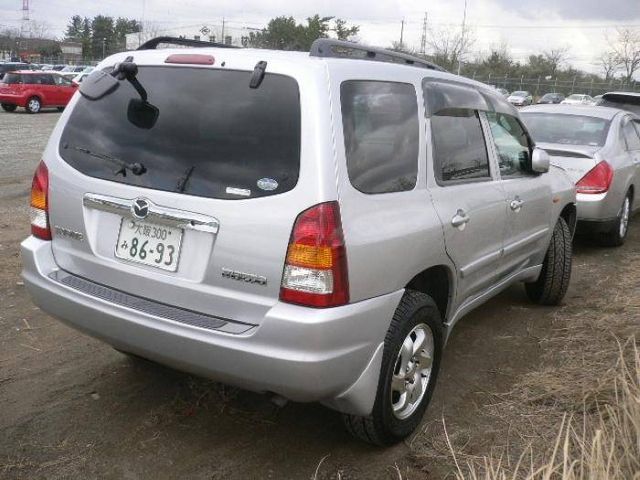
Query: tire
{"x":34,"y":105}
{"x":553,"y":282}
{"x":8,"y":107}
{"x":60,"y":109}
{"x":416,"y":315}
{"x":618,"y":234}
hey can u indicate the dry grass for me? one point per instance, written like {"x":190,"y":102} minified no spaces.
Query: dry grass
{"x":578,"y":416}
{"x":603,"y":443}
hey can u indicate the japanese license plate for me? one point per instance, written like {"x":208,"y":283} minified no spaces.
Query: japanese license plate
{"x":149,"y":243}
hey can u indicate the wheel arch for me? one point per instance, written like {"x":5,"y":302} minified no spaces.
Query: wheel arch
{"x":437,"y":282}
{"x":570,"y":215}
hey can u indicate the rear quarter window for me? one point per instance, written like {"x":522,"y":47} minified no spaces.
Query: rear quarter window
{"x":381,"y":135}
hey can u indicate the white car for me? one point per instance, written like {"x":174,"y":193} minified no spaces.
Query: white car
{"x":578,"y":99}
{"x":82,"y":75}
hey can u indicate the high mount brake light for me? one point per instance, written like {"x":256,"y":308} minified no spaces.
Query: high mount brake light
{"x":39,"y":211}
{"x":315,"y":272}
{"x":596,"y":180}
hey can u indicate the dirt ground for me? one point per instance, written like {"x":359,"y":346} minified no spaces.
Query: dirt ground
{"x":72,"y":407}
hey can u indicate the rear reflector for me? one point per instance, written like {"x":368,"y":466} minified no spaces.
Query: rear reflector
{"x":315,"y":272}
{"x":596,"y":180}
{"x":39,"y":212}
{"x":190,"y":59}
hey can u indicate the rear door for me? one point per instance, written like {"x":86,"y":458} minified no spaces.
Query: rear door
{"x":204,"y":221}
{"x":65,"y":89}
{"x":631,"y":132}
{"x":528,"y":195}
{"x":468,"y":198}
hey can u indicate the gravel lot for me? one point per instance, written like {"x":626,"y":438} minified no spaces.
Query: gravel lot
{"x":71,"y":407}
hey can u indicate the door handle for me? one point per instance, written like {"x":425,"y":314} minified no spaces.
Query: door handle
{"x":460,"y":219}
{"x":516,"y":204}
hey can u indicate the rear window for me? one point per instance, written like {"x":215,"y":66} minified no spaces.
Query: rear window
{"x":215,"y":137}
{"x":12,"y":78}
{"x":381,"y":135}
{"x":567,"y":129}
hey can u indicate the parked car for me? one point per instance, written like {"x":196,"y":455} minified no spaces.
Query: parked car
{"x":520,"y":98}
{"x":249,"y":247}
{"x":578,"y":99}
{"x":79,"y":78}
{"x":58,"y":68}
{"x":73,"y":69}
{"x":11,"y":67}
{"x":35,"y":91}
{"x":599,"y":147}
{"x":626,"y":100}
{"x":551,"y":98}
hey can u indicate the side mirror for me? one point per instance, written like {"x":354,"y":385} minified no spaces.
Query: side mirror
{"x":540,"y":161}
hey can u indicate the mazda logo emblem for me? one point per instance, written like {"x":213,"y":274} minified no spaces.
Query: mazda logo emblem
{"x":140,"y":208}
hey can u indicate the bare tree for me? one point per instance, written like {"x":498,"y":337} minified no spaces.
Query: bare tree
{"x":609,"y":64}
{"x":626,"y":48}
{"x":556,"y":58}
{"x":448,"y":46}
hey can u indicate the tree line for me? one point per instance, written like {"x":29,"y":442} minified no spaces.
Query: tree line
{"x":101,"y":35}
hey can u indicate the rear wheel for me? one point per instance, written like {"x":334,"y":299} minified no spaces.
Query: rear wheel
{"x":60,"y":109}
{"x":33,"y":105}
{"x":553,"y":282}
{"x":9,"y":108}
{"x":618,"y":234}
{"x":410,"y":364}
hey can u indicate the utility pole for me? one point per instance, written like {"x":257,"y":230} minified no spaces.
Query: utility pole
{"x":222,"y":40}
{"x":402,"y":33}
{"x":24,"y":26}
{"x":104,"y":46}
{"x":423,"y":40}
{"x":462,"y":36}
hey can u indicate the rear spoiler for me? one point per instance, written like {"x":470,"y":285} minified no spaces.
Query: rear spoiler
{"x":566,"y":153}
{"x":624,"y":100}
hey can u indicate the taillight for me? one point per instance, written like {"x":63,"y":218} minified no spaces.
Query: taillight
{"x":596,"y":180}
{"x":39,"y":212}
{"x":315,"y":271}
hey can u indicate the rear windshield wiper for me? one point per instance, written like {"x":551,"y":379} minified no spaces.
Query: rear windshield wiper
{"x":136,"y":168}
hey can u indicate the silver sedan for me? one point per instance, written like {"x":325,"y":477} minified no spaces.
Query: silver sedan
{"x":599,"y":147}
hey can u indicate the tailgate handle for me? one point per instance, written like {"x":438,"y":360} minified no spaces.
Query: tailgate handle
{"x":156,"y":213}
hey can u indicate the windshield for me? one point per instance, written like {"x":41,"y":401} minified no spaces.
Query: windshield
{"x":215,"y":137}
{"x":567,"y":129}
{"x":519,"y":94}
{"x":576,"y":97}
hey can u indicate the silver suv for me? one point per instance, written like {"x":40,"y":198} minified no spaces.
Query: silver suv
{"x":306,"y":225}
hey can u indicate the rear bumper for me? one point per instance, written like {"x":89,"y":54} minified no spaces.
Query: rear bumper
{"x":596,"y":208}
{"x":327,"y":355}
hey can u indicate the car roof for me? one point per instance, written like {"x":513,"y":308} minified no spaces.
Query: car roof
{"x":590,"y":111}
{"x":248,"y":57}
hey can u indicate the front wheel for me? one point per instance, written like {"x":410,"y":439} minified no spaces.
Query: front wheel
{"x":410,"y":364}
{"x":9,"y":108}
{"x":33,"y":105}
{"x":553,"y":282}
{"x":618,"y":234}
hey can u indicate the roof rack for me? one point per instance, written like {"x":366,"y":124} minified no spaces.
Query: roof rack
{"x":186,"y":42}
{"x":330,"y":48}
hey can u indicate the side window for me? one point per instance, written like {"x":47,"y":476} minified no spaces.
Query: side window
{"x":47,"y":80}
{"x":60,"y":80}
{"x":381,"y":135}
{"x":512,"y":144}
{"x":459,"y":149}
{"x":631,"y":136}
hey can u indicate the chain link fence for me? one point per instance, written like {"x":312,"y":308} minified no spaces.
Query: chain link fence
{"x":541,"y":85}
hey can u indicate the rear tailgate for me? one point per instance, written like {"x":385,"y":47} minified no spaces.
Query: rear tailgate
{"x":576,"y":160}
{"x":222,"y":174}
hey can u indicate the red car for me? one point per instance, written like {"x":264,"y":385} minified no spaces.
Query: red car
{"x":35,"y":90}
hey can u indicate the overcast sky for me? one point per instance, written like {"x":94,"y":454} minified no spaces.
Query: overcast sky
{"x":526,"y":26}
